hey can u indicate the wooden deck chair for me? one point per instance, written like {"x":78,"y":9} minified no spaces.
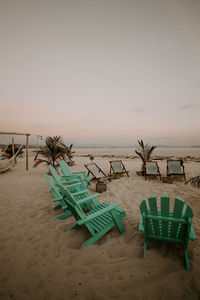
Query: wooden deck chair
{"x":117,"y":167}
{"x":96,"y":172}
{"x":151,"y":169}
{"x":70,"y":162}
{"x":79,"y":192}
{"x":66,"y":171}
{"x":165,"y":225}
{"x":176,"y":168}
{"x":99,"y":220}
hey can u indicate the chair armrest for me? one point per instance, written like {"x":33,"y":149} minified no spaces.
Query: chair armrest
{"x":91,"y":197}
{"x":80,"y":192}
{"x":57,"y":199}
{"x":192,"y":235}
{"x":67,"y":181}
{"x":141,"y":225}
{"x":80,"y":183}
{"x":94,"y":215}
{"x":81,"y":172}
{"x":72,"y":177}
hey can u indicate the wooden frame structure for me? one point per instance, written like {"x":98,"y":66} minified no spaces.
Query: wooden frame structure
{"x":27,"y":138}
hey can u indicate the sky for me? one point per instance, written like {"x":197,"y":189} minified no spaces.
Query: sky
{"x":101,"y":71}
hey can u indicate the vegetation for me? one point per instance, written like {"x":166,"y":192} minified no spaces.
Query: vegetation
{"x":91,"y":157}
{"x":9,"y":151}
{"x":53,"y":150}
{"x":194,"y":181}
{"x":144,"y":151}
{"x":70,"y":154}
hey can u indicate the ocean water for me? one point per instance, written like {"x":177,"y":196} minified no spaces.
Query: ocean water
{"x":160,"y":151}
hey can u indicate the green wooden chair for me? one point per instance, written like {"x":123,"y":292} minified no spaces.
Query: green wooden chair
{"x":55,"y":191}
{"x":151,"y":169}
{"x":79,"y":191}
{"x":77,"y":176}
{"x":66,"y":180}
{"x":175,"y":168}
{"x":165,"y":225}
{"x":73,"y":188}
{"x":99,"y":220}
{"x":117,"y":167}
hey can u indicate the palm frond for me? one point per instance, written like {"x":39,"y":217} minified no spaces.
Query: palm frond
{"x":144,"y":151}
{"x":139,"y":154}
{"x":39,"y":161}
{"x":53,"y":150}
{"x":194,"y":181}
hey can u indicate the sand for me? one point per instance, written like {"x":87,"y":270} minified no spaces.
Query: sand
{"x":40,"y":260}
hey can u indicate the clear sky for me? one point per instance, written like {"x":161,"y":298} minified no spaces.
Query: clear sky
{"x":101,"y":71}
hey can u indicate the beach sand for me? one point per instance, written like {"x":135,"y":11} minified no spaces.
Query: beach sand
{"x":40,"y":260}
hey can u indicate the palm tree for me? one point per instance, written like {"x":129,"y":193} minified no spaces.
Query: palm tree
{"x":53,"y":150}
{"x":194,"y":181}
{"x":144,"y":152}
{"x":70,"y":154}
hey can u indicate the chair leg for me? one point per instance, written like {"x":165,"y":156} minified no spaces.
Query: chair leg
{"x":118,"y":221}
{"x":57,"y":206}
{"x":187,"y":261}
{"x":91,"y":240}
{"x":144,"y":250}
{"x":64,"y":216}
{"x":75,"y":226}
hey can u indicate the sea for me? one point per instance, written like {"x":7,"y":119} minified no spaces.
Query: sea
{"x":130,"y":152}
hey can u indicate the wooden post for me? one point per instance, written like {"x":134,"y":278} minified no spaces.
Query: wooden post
{"x":13,"y":147}
{"x":27,"y":136}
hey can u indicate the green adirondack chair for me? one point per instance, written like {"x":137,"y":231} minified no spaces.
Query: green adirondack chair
{"x":73,"y":188}
{"x":77,"y":176}
{"x":99,"y":220}
{"x":165,"y":225}
{"x":79,"y":192}
{"x":66,"y":180}
{"x":55,"y":191}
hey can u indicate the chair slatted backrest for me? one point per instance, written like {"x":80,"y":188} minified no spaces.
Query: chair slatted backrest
{"x":54,"y":190}
{"x":65,"y":169}
{"x":95,"y":171}
{"x":55,"y":175}
{"x":165,"y":200}
{"x":177,"y":213}
{"x":166,"y":224}
{"x":71,"y":187}
{"x":72,"y":203}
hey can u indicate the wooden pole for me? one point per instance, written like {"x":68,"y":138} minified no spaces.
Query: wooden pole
{"x":27,"y":136}
{"x":13,"y":147}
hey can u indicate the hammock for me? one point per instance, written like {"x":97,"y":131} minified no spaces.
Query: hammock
{"x":7,"y":164}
